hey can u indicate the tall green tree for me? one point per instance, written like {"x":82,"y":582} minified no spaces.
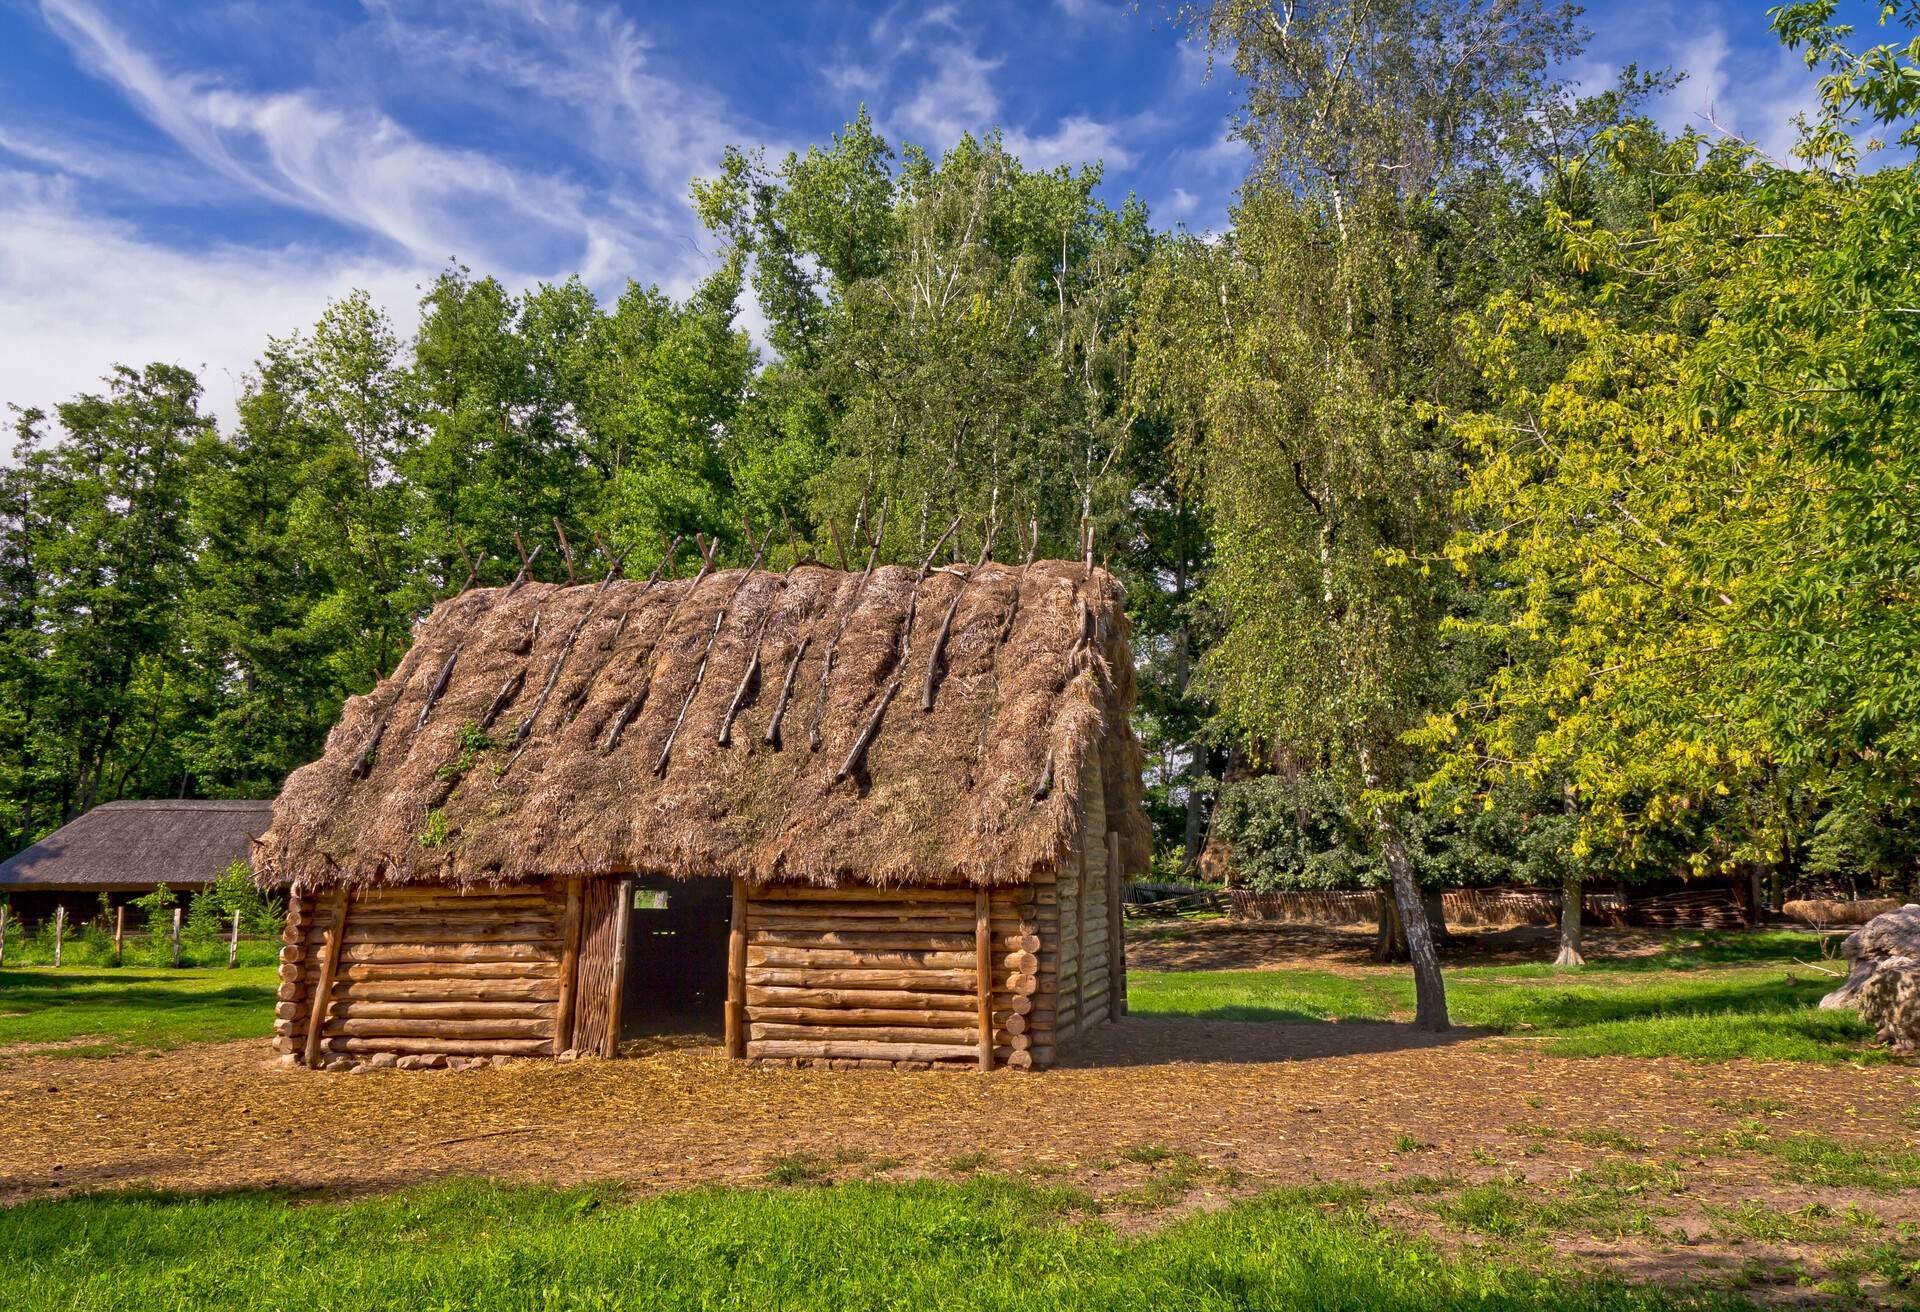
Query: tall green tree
{"x":1300,"y":354}
{"x":100,"y":544}
{"x":1701,"y":517}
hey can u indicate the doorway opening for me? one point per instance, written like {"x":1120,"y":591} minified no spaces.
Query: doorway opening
{"x":676,"y":979}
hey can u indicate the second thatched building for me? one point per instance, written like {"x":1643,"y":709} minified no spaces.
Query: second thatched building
{"x":872,"y":818}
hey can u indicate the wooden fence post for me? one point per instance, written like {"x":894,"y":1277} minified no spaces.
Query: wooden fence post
{"x":119,"y":930}
{"x":983,"y":973}
{"x":176,"y":936}
{"x":59,"y":933}
{"x":233,"y":944}
{"x":737,"y":972}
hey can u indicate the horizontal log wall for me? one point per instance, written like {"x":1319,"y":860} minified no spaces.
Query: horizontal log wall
{"x":889,"y":977}
{"x":423,"y":970}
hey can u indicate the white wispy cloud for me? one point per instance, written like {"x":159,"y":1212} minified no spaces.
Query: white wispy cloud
{"x":350,"y":163}
{"x":79,"y":293}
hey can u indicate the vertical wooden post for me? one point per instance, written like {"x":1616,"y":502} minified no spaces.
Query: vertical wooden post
{"x":323,"y":987}
{"x":564,"y":1008}
{"x":176,"y":936}
{"x":233,"y":943}
{"x":983,"y":973}
{"x":737,"y":973}
{"x":119,"y":930}
{"x":3,"y":933}
{"x":59,"y":933}
{"x":623,"y":920}
{"x":1116,"y":931}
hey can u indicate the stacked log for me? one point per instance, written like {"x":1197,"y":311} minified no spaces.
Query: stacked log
{"x":887,"y":975}
{"x":425,"y":969}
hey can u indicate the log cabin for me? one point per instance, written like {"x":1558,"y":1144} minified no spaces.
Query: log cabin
{"x":839,"y":817}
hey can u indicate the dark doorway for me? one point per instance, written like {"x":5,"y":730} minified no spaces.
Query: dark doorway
{"x":676,"y":957}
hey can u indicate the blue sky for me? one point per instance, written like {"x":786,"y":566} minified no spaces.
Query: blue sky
{"x":178,"y":181}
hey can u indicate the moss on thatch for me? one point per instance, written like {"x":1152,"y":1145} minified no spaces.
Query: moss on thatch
{"x":980,"y":789}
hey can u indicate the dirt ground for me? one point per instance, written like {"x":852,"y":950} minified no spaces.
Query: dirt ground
{"x":1154,"y":1116}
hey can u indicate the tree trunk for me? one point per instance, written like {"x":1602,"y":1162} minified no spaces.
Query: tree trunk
{"x":1570,"y":922}
{"x":1436,"y":907}
{"x":1390,"y":943}
{"x":1429,"y":991}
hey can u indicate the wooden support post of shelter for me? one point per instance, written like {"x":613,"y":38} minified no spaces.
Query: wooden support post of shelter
{"x":59,"y":933}
{"x":323,"y":987}
{"x":1116,"y":930}
{"x":176,"y":936}
{"x":564,"y":1007}
{"x":983,"y":974}
{"x":622,"y":918}
{"x":736,"y":1020}
{"x":3,"y":933}
{"x":119,"y":931}
{"x":233,"y":942}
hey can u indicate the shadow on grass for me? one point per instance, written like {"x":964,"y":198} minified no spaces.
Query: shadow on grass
{"x":1237,"y":1039}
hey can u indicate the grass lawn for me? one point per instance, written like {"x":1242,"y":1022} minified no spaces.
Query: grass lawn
{"x":1710,"y":997}
{"x":132,"y":1009}
{"x":987,"y":1243}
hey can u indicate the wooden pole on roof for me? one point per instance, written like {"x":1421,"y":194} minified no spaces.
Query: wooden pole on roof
{"x":566,"y":650}
{"x":526,"y":564}
{"x":946,"y":623}
{"x":666,"y":553}
{"x":612,"y":640}
{"x":323,"y":987}
{"x":793,"y":543}
{"x":566,"y":550}
{"x":983,"y":973}
{"x":814,"y":739}
{"x":871,"y":729}
{"x":700,"y":673}
{"x":642,"y":685}
{"x":736,"y":1022}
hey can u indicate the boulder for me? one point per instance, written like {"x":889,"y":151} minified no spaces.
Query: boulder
{"x":1883,"y":976}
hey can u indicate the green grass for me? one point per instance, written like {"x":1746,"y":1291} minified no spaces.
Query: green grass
{"x":986,"y":1243}
{"x":1706,"y":998}
{"x":133,"y":1010}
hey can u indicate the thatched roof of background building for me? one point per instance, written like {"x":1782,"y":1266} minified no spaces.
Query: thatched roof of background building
{"x":981,"y":788}
{"x":135,"y":845}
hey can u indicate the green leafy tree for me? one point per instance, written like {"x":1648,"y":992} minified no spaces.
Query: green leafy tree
{"x":1700,"y":516}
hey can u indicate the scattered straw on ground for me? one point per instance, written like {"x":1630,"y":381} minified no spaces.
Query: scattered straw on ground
{"x":1292,"y":1104}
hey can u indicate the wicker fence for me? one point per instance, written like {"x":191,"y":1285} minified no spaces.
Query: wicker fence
{"x":1466,"y":906}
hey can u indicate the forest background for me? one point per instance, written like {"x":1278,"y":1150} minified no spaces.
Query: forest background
{"x":1512,"y":494}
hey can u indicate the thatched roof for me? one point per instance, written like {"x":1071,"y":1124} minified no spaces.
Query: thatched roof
{"x":135,"y":845}
{"x":982,"y":788}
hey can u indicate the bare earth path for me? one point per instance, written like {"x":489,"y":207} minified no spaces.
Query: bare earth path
{"x":1293,"y":1104}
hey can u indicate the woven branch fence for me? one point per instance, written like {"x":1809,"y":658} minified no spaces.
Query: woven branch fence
{"x":1466,"y":906}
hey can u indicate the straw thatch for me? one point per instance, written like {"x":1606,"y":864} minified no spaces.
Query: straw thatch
{"x":979,"y":789}
{"x":135,"y":845}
